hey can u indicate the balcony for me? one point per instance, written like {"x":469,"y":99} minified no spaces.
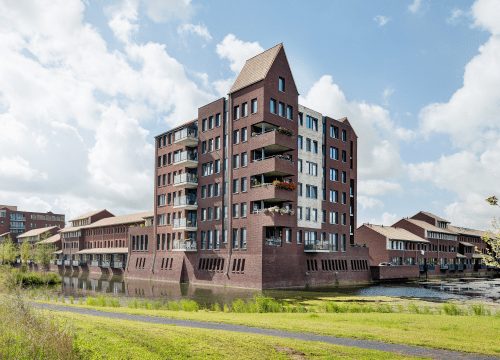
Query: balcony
{"x":187,"y":137}
{"x":452,"y":267}
{"x":185,"y":245}
{"x":275,"y":140}
{"x":17,"y":218}
{"x":270,"y":193}
{"x":274,"y":241}
{"x":187,"y":159}
{"x":431,"y":267}
{"x":276,"y":165}
{"x":95,"y":263}
{"x":67,"y":262}
{"x":185,"y":224}
{"x":59,"y":262}
{"x":78,"y":263}
{"x":460,"y":267}
{"x":318,"y":246}
{"x":281,"y":218}
{"x":186,"y":202}
{"x":17,"y":226}
{"x":186,"y":180}
{"x":443,"y":266}
{"x":421,"y":268}
{"x":118,"y":264}
{"x":106,"y":264}
{"x":468,"y":267}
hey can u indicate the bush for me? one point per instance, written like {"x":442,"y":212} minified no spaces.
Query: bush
{"x":239,"y":306}
{"x":173,"y":305}
{"x":189,"y":305}
{"x":451,"y":309}
{"x":478,"y":309}
{"x":35,"y":278}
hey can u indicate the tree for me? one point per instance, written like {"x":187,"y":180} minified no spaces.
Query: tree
{"x":492,"y":238}
{"x":8,"y":250}
{"x":44,"y":252}
{"x":25,"y":251}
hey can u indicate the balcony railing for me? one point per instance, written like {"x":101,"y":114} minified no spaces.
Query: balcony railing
{"x":280,"y":157}
{"x":118,"y":264}
{"x":106,"y":264}
{"x":421,"y":267}
{"x":274,"y":241}
{"x":460,"y":267}
{"x":185,"y":245}
{"x":18,"y":226}
{"x":59,"y":262}
{"x":95,"y":263}
{"x":67,"y":262}
{"x":468,"y":267}
{"x":443,"y":266}
{"x":185,"y":201}
{"x":186,"y":159}
{"x":318,"y":246}
{"x":452,"y":267}
{"x":78,"y":263}
{"x":184,"y":223}
{"x":431,"y":267}
{"x":187,"y":137}
{"x":186,"y":180}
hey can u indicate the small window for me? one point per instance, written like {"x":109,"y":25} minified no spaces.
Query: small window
{"x":217,"y":120}
{"x":254,"y":106}
{"x":236,"y":187}
{"x":282,"y":84}
{"x":244,"y":134}
{"x":300,"y":139}
{"x":211,"y":122}
{"x":301,"y":119}
{"x":244,"y":159}
{"x":282,"y":109}
{"x":244,"y":109}
{"x":273,"y":106}
{"x":236,"y":112}
{"x":235,"y":210}
{"x":204,"y":125}
{"x":344,"y":135}
{"x":236,"y":161}
{"x":289,"y":112}
{"x":236,"y":137}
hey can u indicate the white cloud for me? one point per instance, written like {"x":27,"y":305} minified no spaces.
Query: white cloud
{"x":166,"y":10}
{"x":381,"y":20}
{"x":200,"y":30}
{"x":369,"y":202}
{"x":378,"y":187}
{"x":122,"y":18}
{"x":386,"y":219}
{"x":387,"y":93}
{"x":34,"y":204}
{"x":456,"y":16}
{"x":486,"y":15}
{"x":17,"y":167}
{"x":415,"y":6}
{"x":237,"y":51}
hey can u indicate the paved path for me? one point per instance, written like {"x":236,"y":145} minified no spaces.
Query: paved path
{"x":364,"y":344}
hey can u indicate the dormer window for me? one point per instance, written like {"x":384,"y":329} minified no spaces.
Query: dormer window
{"x":282,"y":84}
{"x":442,"y":225}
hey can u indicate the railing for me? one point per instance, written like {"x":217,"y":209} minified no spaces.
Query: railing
{"x":15,"y":218}
{"x":468,"y":267}
{"x":185,"y":200}
{"x":273,"y":241}
{"x":281,"y":157}
{"x":59,"y":262}
{"x":184,"y":222}
{"x":482,"y":266}
{"x":270,"y":210}
{"x":318,"y":246}
{"x":67,"y":262}
{"x":185,"y":156}
{"x":452,"y":267}
{"x":79,"y":263}
{"x":281,"y":130}
{"x":443,"y":266}
{"x":52,"y":262}
{"x":186,"y":177}
{"x":188,"y":133}
{"x":118,"y":264}
{"x":95,"y":263}
{"x":431,"y":267}
{"x":106,"y":264}
{"x":185,"y":245}
{"x":18,"y":226}
{"x":460,"y":267}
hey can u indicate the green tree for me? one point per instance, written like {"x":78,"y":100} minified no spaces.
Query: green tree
{"x":492,"y":238}
{"x":8,"y":250}
{"x":25,"y":251}
{"x":44,"y":252}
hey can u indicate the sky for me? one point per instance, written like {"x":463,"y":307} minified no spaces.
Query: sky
{"x":86,"y":85}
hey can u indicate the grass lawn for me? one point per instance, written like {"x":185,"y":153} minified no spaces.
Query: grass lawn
{"x":100,"y":338}
{"x":474,"y":334}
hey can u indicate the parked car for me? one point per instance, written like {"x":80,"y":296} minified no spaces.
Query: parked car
{"x":386,"y":264}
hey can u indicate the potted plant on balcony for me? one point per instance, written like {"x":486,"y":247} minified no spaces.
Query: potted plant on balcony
{"x":291,"y":212}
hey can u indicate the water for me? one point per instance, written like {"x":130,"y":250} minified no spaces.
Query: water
{"x":85,"y":284}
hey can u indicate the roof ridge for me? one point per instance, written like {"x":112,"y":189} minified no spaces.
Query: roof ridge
{"x":281,"y":43}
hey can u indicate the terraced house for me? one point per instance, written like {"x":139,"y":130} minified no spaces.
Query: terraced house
{"x":257,"y":191}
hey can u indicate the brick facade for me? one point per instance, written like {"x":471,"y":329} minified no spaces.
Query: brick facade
{"x":17,"y":222}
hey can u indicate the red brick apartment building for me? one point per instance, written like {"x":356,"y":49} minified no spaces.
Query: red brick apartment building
{"x":257,"y":191}
{"x":438,"y":248}
{"x":15,"y":222}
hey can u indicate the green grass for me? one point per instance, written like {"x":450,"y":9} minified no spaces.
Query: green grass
{"x":475,"y":334}
{"x":100,"y":338}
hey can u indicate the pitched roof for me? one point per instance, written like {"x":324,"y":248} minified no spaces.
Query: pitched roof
{"x":466,"y":243}
{"x":434,"y":216}
{"x":50,"y":240}
{"x":70,"y":229}
{"x":466,"y":231}
{"x":394,"y":233}
{"x":256,"y":68}
{"x":122,"y":250}
{"x":36,"y":232}
{"x":429,"y":227}
{"x":86,"y":215}
{"x":119,"y":220}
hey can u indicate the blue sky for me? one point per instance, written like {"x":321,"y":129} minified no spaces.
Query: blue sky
{"x":85,"y":86}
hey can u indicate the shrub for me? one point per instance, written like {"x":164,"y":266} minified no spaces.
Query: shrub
{"x":189,"y":305}
{"x":451,"y":309}
{"x":173,"y":305}
{"x":412,"y":308}
{"x":478,"y":309}
{"x":239,"y":306}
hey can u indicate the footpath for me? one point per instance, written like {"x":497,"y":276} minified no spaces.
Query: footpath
{"x":364,"y":344}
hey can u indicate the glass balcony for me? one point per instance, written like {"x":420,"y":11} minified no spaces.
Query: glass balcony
{"x":118,"y":264}
{"x":59,"y":262}
{"x":106,"y":264}
{"x":185,"y":224}
{"x":187,"y":159}
{"x":443,"y":266}
{"x":273,"y":241}
{"x":431,"y":267}
{"x":460,"y":267}
{"x":185,"y":245}
{"x":78,"y":263}
{"x":186,"y":180}
{"x":318,"y":246}
{"x":95,"y":263}
{"x":187,"y":137}
{"x":189,"y":202}
{"x":452,"y":267}
{"x":67,"y":262}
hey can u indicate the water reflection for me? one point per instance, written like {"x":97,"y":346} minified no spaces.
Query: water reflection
{"x":85,"y":284}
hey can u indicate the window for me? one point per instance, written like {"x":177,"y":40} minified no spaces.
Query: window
{"x":282,"y":84}
{"x":161,"y":219}
{"x":211,"y":145}
{"x":344,"y":197}
{"x":334,"y":174}
{"x":282,"y":109}
{"x":217,"y":212}
{"x":225,"y":163}
{"x":254,"y":106}
{"x":159,"y":161}
{"x":217,"y":143}
{"x":224,"y":236}
{"x":225,"y":211}
{"x":203,"y":147}
{"x":236,"y":137}
{"x":207,"y":169}
{"x":236,"y":187}
{"x":311,"y":168}
{"x":204,"y":125}
{"x":217,"y":120}
{"x":273,"y":106}
{"x":299,"y":236}
{"x":203,"y":214}
{"x":236,"y":112}
{"x":243,"y":238}
{"x":299,"y":189}
{"x":243,"y":209}
{"x":217,"y":189}
{"x":244,"y":109}
{"x":299,"y":164}
{"x":244,"y":134}
{"x":236,"y":161}
{"x":289,"y":112}
{"x":344,"y":177}
{"x":235,"y":238}
{"x":288,"y":236}
{"x":323,"y":193}
{"x":210,"y":189}
{"x":334,"y":132}
{"x":323,"y":217}
{"x":162,"y":200}
{"x":344,"y":156}
{"x":308,"y":214}
{"x":344,"y":217}
{"x":217,"y":166}
{"x":334,"y":153}
{"x":209,"y":214}
{"x":301,"y":119}
{"x":300,"y":141}
{"x":315,"y":215}
{"x":343,"y":242}
{"x":334,"y":241}
{"x":311,"y":123}
{"x":244,"y":159}
{"x":243,"y":184}
{"x":315,"y":147}
{"x":308,"y":144}
{"x":211,"y":122}
{"x":334,"y":217}
{"x":203,"y":239}
{"x":334,"y":196}
{"x":311,"y":191}
{"x":169,"y":158}
{"x":344,"y":135}
{"x":299,"y":212}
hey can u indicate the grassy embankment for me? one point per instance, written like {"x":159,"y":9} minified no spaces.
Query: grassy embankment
{"x":472,"y":329}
